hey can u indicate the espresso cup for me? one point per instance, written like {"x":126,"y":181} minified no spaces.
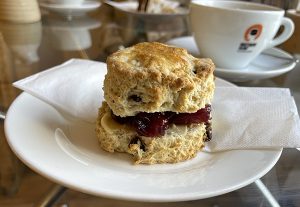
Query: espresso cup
{"x":233,"y":33}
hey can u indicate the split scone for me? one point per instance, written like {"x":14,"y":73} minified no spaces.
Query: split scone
{"x":157,"y":104}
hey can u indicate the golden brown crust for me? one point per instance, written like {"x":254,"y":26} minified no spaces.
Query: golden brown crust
{"x":153,"y":77}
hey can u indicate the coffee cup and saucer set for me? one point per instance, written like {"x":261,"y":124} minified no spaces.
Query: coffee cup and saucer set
{"x":240,"y":38}
{"x":70,"y":7}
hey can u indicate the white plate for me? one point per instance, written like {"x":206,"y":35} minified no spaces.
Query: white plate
{"x":271,"y":63}
{"x":71,"y":10}
{"x":68,"y":153}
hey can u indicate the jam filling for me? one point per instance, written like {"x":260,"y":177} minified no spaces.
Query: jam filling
{"x":155,"y":124}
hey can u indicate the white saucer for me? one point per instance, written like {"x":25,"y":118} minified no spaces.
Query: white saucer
{"x":73,"y":10}
{"x":271,"y":63}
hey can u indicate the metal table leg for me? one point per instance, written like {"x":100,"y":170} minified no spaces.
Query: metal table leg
{"x":2,"y":115}
{"x":261,"y":186}
{"x":52,"y":196}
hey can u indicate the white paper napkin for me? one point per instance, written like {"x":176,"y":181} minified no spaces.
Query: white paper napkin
{"x":74,"y":88}
{"x":243,"y":118}
{"x":249,"y":118}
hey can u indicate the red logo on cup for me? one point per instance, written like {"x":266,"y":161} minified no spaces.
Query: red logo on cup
{"x":253,"y":32}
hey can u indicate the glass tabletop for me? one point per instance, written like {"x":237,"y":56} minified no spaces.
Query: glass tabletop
{"x":29,"y":48}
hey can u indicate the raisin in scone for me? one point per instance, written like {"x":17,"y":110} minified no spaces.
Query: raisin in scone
{"x":157,"y":104}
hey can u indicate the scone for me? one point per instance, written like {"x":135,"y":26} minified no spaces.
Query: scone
{"x":157,"y":104}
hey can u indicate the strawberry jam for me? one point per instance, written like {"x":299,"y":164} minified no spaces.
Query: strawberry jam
{"x":155,"y":124}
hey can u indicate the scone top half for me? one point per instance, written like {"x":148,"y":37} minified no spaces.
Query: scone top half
{"x":153,"y":77}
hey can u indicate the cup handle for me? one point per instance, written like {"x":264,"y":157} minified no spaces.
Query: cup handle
{"x":288,"y":30}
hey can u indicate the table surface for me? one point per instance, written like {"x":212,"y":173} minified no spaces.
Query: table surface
{"x":29,"y":48}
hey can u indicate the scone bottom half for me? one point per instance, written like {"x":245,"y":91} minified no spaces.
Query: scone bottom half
{"x":178,"y":142}
{"x":157,"y":103}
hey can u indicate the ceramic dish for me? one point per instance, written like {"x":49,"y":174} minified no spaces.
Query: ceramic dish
{"x":131,"y":8}
{"x":68,"y":153}
{"x":126,"y":16}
